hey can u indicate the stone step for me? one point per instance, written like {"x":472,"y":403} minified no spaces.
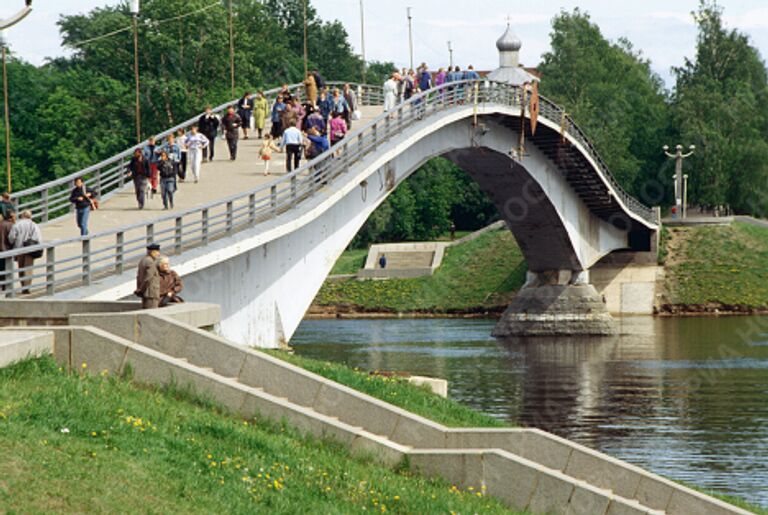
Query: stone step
{"x":16,"y":345}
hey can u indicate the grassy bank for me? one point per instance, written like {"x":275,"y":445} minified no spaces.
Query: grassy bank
{"x":717,"y":267}
{"x":476,"y":276}
{"x":100,"y":444}
{"x":397,"y":391}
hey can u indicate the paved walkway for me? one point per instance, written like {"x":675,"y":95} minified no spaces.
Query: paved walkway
{"x":220,"y":178}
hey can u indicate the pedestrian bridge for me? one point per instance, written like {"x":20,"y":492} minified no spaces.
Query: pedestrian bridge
{"x":261,"y":247}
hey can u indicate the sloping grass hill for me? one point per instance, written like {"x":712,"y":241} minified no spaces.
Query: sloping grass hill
{"x":74,"y":443}
{"x":476,"y":276}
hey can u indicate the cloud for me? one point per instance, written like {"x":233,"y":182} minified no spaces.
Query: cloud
{"x":515,"y":20}
{"x":680,"y":17}
{"x":751,"y":19}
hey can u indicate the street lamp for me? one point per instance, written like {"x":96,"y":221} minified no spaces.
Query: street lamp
{"x":678,"y":156}
{"x":4,"y":24}
{"x":135,"y":15}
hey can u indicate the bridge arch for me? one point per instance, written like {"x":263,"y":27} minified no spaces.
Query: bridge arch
{"x":272,"y":254}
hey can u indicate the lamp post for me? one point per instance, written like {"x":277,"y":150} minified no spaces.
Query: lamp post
{"x":362,"y":36}
{"x":685,"y":196}
{"x":450,"y":56}
{"x":135,"y":16}
{"x":678,"y":156}
{"x":4,"y":24}
{"x":410,"y":36}
{"x":231,"y":49}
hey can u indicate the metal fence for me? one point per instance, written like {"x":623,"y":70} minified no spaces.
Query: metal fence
{"x":79,"y":261}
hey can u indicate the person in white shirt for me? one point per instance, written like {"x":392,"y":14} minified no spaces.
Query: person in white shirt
{"x":292,"y":143}
{"x":390,"y":93}
{"x":196,"y":143}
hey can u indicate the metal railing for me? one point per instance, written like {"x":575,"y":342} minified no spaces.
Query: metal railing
{"x":79,"y":261}
{"x":51,"y":200}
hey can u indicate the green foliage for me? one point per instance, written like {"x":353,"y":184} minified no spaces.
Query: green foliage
{"x":726,"y":265}
{"x":397,"y":391}
{"x":611,"y":92}
{"x":476,"y":276}
{"x":721,"y":106}
{"x":424,"y":206}
{"x":82,"y":444}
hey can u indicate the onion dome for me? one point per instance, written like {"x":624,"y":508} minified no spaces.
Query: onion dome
{"x":509,"y":42}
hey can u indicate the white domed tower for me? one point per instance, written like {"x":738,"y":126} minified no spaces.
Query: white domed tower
{"x":509,"y":69}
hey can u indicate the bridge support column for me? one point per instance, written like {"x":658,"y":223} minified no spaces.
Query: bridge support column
{"x":556,"y":303}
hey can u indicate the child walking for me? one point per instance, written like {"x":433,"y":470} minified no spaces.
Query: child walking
{"x":267,"y":147}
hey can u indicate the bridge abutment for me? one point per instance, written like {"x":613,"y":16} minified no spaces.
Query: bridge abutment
{"x":556,"y":303}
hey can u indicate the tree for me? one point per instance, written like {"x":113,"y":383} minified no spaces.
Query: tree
{"x":612,"y":93}
{"x":721,"y":106}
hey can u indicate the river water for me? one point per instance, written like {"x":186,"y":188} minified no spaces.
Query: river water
{"x":683,"y":397}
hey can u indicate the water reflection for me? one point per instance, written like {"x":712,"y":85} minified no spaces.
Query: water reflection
{"x":687,"y":398}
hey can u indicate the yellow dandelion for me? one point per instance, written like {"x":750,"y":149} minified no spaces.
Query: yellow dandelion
{"x":397,"y":497}
{"x":94,"y":433}
{"x":84,"y":365}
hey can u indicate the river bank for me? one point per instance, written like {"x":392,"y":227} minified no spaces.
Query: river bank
{"x":709,"y":271}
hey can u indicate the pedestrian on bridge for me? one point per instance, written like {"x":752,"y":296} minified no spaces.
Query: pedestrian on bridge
{"x":167,"y":179}
{"x":310,"y":87}
{"x":6,"y":205}
{"x":276,"y":117}
{"x":208,"y":125}
{"x":173,"y":151}
{"x":140,"y":175}
{"x":6,"y":224}
{"x":292,"y":144}
{"x":390,"y":93}
{"x":84,"y":199}
{"x":244,"y":110}
{"x":196,"y":145}
{"x":148,"y":278}
{"x":181,"y":139}
{"x":325,"y":106}
{"x":267,"y":147}
{"x":351,"y":97}
{"x":338,"y":128}
{"x":231,"y":124}
{"x":152,"y":157}
{"x":260,"y":112}
{"x":25,"y":233}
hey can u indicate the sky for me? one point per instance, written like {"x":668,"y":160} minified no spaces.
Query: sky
{"x":662,"y":29}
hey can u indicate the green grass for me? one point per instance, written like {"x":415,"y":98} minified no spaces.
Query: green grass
{"x":397,"y":391}
{"x":75,"y":444}
{"x":350,"y":262}
{"x":475,"y":276}
{"x":726,"y":265}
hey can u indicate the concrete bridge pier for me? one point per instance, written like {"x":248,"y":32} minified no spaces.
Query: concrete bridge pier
{"x":556,"y":303}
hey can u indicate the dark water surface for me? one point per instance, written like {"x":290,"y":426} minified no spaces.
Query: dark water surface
{"x":682,"y":397}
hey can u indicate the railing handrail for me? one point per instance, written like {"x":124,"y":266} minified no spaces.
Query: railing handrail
{"x":286,"y":191}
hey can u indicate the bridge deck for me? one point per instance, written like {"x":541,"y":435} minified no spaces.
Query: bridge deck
{"x":219,"y":179}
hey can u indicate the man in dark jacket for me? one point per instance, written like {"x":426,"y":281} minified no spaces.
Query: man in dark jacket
{"x":231,"y":124}
{"x":83,"y":198}
{"x":208,"y":125}
{"x":6,"y":224}
{"x":148,"y":278}
{"x":6,"y":205}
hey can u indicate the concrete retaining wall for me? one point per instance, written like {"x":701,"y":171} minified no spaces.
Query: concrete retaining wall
{"x":18,"y":345}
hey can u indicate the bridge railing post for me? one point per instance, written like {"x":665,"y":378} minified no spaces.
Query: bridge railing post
{"x":10,"y":289}
{"x":293,"y":189}
{"x":86,"y":271}
{"x":150,"y":234}
{"x":119,"y":252}
{"x":229,"y":223}
{"x":252,"y":207}
{"x":50,"y":270}
{"x":44,"y":201}
{"x":273,"y":199}
{"x":204,"y":226}
{"x":177,"y":235}
{"x":121,"y":173}
{"x":98,"y":183}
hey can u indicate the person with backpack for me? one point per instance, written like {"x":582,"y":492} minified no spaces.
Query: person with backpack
{"x":83,"y":198}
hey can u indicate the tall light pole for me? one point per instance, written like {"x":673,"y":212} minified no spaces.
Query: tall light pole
{"x":306,"y":51}
{"x":450,"y":56}
{"x":410,"y":36}
{"x":135,"y":16}
{"x":4,"y":24}
{"x":678,"y":156}
{"x":362,"y":36}
{"x":231,"y":49}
